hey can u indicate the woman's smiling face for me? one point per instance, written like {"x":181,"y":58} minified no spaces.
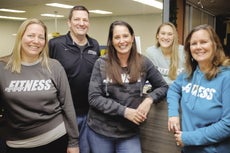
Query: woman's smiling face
{"x":202,"y":47}
{"x":165,"y":36}
{"x":33,"y":42}
{"x":122,"y":39}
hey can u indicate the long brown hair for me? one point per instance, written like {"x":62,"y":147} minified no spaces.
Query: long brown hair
{"x":219,"y":56}
{"x":113,"y":63}
{"x":174,"y":59}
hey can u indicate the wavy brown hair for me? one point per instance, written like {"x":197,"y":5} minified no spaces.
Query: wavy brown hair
{"x":113,"y":63}
{"x":219,"y":58}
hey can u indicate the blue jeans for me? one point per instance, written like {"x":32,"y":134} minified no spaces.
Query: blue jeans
{"x":2,"y":146}
{"x":83,"y":129}
{"x":103,"y":144}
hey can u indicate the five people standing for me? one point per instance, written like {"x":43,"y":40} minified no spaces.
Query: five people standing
{"x":107,"y":92}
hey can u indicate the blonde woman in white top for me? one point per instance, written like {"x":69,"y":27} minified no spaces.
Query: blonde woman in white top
{"x":167,"y":54}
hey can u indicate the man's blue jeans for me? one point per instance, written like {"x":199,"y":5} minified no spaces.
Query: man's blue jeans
{"x":82,"y":127}
{"x":102,"y":144}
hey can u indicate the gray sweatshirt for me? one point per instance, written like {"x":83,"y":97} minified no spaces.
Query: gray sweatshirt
{"x":38,"y":100}
{"x":162,"y":63}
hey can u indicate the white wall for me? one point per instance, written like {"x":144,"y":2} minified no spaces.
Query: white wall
{"x":144,"y":26}
{"x":7,"y":29}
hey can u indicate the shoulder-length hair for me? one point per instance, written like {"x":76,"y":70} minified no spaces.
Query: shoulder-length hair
{"x":14,"y":59}
{"x":113,"y":63}
{"x":219,"y":58}
{"x":174,"y":59}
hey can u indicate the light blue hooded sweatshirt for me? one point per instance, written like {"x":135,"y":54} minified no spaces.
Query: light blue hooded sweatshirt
{"x":205,"y":111}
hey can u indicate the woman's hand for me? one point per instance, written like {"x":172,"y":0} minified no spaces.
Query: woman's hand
{"x":174,"y":124}
{"x":178,"y":139}
{"x":73,"y":150}
{"x":134,"y":115}
{"x":139,"y":115}
{"x":145,"y":106}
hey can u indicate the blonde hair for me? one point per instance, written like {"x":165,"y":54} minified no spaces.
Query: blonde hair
{"x":174,"y":59}
{"x":14,"y":59}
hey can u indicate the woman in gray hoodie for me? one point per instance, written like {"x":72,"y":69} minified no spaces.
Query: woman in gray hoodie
{"x":117,"y":103}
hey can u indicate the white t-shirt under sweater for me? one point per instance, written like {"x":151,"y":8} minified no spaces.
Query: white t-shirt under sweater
{"x":156,"y":56}
{"x":37,"y":101}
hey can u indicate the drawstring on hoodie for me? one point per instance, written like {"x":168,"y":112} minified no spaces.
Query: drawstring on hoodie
{"x":141,"y":87}
{"x":106,"y":86}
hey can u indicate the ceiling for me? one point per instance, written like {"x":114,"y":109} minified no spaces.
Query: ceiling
{"x":34,"y":8}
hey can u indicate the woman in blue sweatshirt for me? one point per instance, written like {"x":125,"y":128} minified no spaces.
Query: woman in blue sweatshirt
{"x":202,"y":96}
